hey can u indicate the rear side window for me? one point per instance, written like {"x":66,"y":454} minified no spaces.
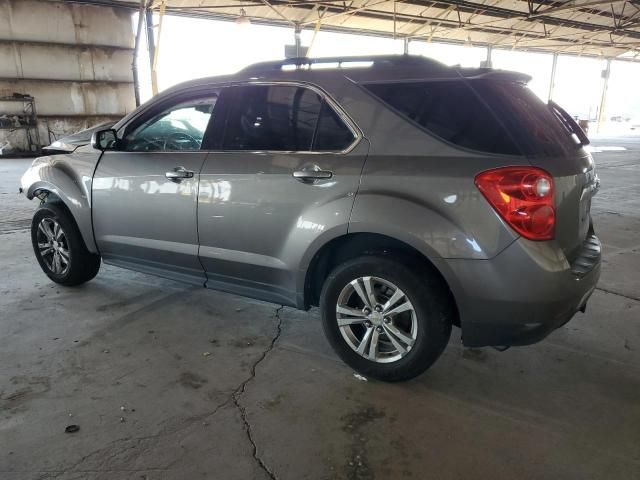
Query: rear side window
{"x":283,"y":118}
{"x":272,"y":118}
{"x":332,"y":134}
{"x":449,"y":110}
{"x":534,"y":125}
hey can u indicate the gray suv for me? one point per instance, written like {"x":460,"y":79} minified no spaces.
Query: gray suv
{"x":401,"y":196}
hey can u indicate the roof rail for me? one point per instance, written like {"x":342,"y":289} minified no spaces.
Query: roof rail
{"x":495,"y":74}
{"x":341,"y":62}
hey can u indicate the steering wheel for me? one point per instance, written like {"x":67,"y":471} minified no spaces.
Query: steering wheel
{"x":144,"y":145}
{"x":178,"y":140}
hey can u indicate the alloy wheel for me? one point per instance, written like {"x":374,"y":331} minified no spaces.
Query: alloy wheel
{"x":376,"y":319}
{"x":53,"y":246}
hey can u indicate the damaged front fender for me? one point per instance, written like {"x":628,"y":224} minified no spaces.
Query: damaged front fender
{"x":69,"y":178}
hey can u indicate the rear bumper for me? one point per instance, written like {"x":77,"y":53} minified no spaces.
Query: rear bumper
{"x":524,"y":293}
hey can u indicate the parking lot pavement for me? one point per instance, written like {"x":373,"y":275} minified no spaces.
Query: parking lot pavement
{"x":168,"y":381}
{"x":15,"y":212}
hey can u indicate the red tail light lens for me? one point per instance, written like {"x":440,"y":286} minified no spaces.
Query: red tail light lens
{"x":524,"y":198}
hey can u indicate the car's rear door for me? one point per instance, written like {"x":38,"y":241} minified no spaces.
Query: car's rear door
{"x":284,"y":176}
{"x":145,"y":193}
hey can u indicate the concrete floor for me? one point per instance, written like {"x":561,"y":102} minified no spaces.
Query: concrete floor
{"x":167,"y":381}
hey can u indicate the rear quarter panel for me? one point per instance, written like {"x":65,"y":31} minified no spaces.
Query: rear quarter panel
{"x":421,"y":190}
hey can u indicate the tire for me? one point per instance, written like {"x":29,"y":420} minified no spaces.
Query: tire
{"x":54,"y":233}
{"x":424,"y":323}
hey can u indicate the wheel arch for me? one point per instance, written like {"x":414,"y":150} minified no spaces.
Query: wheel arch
{"x":344,"y":247}
{"x":53,"y":184}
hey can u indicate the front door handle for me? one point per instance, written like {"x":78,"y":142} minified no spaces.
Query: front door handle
{"x":178,"y":174}
{"x":310,"y":175}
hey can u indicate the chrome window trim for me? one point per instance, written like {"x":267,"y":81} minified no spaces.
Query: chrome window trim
{"x":349,"y":122}
{"x":433,"y":135}
{"x":206,"y":95}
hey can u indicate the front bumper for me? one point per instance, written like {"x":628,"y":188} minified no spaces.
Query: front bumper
{"x":524,"y":293}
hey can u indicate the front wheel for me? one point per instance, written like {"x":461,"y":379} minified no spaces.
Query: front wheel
{"x":59,"y":247}
{"x":383,"y":320}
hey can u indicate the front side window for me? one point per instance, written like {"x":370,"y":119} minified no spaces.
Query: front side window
{"x":449,"y":110}
{"x":283,"y":118}
{"x":179,"y":128}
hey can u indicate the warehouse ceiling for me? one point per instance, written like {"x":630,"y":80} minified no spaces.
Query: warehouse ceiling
{"x":583,"y":27}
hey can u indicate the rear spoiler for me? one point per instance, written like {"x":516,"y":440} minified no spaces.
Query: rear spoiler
{"x":569,"y":123}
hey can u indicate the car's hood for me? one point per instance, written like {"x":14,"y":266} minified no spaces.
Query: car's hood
{"x":69,"y":143}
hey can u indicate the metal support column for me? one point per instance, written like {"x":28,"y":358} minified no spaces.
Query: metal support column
{"x":406,"y":45}
{"x":151,"y":42}
{"x":136,"y":49}
{"x":552,"y":81}
{"x":296,"y":34}
{"x":606,"y":73}
{"x":488,"y":62}
{"x":395,"y":12}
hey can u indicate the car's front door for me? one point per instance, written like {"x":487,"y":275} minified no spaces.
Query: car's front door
{"x":145,"y":192}
{"x":284,"y":175}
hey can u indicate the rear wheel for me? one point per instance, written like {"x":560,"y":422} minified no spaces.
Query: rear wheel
{"x":59,"y":247}
{"x":383,"y":320}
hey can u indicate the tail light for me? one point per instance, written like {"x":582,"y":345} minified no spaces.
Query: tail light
{"x":524,"y":198}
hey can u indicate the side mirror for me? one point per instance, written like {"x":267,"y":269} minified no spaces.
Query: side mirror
{"x":104,"y":139}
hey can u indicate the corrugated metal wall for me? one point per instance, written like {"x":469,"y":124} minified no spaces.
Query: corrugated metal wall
{"x":74,"y":59}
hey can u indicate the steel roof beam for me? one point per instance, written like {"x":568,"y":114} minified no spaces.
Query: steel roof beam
{"x":379,"y":33}
{"x":571,"y":6}
{"x":622,"y":27}
{"x":470,"y":7}
{"x":504,"y":13}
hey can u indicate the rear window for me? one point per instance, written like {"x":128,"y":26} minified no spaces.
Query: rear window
{"x":449,"y":110}
{"x":532,"y":123}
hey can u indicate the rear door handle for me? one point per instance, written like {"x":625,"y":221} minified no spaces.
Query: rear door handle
{"x":178,"y":174}
{"x":308,"y":176}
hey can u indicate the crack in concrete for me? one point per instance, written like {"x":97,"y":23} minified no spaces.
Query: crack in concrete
{"x":116,"y":447}
{"x":239,"y":392}
{"x":629,"y":297}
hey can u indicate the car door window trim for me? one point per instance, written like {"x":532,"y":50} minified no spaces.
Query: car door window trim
{"x":206,"y":90}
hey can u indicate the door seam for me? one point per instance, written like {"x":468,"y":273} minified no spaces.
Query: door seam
{"x":206,"y":277}
{"x":355,"y":194}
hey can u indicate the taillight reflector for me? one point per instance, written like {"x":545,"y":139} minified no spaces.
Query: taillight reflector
{"x":523,"y":197}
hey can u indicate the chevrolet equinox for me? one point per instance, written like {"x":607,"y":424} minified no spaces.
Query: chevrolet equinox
{"x":399,"y":195}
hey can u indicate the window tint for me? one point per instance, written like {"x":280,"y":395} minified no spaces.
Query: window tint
{"x":272,"y":118}
{"x":450,"y":110}
{"x":532,"y":123}
{"x":284,"y":118}
{"x":181,"y":127}
{"x":332,"y":134}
